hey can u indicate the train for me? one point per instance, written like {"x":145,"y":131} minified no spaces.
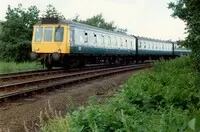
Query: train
{"x":64,"y":43}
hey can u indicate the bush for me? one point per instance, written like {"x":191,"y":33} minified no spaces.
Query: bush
{"x":160,"y":100}
{"x":19,"y":52}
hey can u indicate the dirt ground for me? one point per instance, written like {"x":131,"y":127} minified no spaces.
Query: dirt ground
{"x":24,"y":115}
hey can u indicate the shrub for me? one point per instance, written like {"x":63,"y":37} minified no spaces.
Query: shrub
{"x":19,"y":52}
{"x":160,"y":100}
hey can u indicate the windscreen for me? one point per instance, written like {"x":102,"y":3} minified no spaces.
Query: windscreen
{"x":38,"y":34}
{"x":58,"y":36}
{"x":48,"y":32}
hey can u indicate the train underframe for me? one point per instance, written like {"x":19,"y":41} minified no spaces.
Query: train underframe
{"x":78,"y":61}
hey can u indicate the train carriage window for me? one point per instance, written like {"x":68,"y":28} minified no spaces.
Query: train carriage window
{"x":115,"y":41}
{"x":131,"y":43}
{"x":106,"y":40}
{"x":126,"y":42}
{"x":109,"y":40}
{"x":144,"y":45}
{"x":121,"y":42}
{"x":118,"y":42}
{"x":95,"y":38}
{"x":59,"y":32}
{"x":140,"y":45}
{"x":176,"y":46}
{"x":86,"y":37}
{"x":162,"y":46}
{"x":102,"y":40}
{"x":48,"y":34}
{"x":71,"y":35}
{"x":38,"y":34}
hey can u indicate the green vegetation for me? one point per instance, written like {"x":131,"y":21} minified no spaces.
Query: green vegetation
{"x":164,"y":99}
{"x":99,"y":21}
{"x":17,"y":33}
{"x":7,"y":67}
{"x":51,"y":11}
{"x":188,"y":11}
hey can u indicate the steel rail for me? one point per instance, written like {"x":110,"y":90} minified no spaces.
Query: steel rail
{"x":73,"y":78}
{"x":30,"y":74}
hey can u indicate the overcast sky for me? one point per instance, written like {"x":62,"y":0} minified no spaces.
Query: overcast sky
{"x":148,"y":18}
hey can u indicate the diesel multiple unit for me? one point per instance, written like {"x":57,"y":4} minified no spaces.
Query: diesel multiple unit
{"x":65,"y":43}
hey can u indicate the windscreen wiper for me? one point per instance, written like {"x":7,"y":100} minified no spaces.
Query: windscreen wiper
{"x":57,"y":28}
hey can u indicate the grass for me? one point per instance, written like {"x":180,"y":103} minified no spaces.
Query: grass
{"x":8,"y":67}
{"x":164,"y":100}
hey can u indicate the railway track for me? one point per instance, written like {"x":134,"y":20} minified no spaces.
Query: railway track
{"x":28,"y":86}
{"x":40,"y":73}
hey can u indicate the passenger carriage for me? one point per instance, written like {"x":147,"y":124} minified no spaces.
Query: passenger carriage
{"x":65,"y":43}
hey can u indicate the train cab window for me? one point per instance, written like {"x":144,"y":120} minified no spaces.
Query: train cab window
{"x":86,"y":37}
{"x":38,"y":34}
{"x":95,"y":38}
{"x":48,"y":34}
{"x":59,"y":32}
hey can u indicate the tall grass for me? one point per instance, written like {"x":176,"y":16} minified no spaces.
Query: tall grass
{"x":164,"y":100}
{"x":8,"y":67}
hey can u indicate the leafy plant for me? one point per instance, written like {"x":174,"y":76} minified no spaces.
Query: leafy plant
{"x":164,"y":99}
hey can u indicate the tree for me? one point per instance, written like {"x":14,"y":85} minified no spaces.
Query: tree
{"x":188,"y":11}
{"x":52,"y":12}
{"x":17,"y":32}
{"x":99,"y":21}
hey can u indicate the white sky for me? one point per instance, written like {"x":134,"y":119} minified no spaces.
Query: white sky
{"x":148,"y":18}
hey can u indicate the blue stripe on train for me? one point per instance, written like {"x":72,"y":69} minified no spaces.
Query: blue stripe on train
{"x":154,"y":52}
{"x":100,"y":51}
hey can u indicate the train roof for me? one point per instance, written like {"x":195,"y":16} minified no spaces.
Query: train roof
{"x":153,"y":40}
{"x":63,"y":21}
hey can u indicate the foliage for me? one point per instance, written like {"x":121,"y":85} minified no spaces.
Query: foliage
{"x":0,"y":27}
{"x":17,"y":33}
{"x":188,"y":11}
{"x":164,"y":99}
{"x":52,"y":12}
{"x":8,"y":67}
{"x":99,"y":21}
{"x":15,"y":41}
{"x":18,"y":52}
{"x":19,"y":24}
